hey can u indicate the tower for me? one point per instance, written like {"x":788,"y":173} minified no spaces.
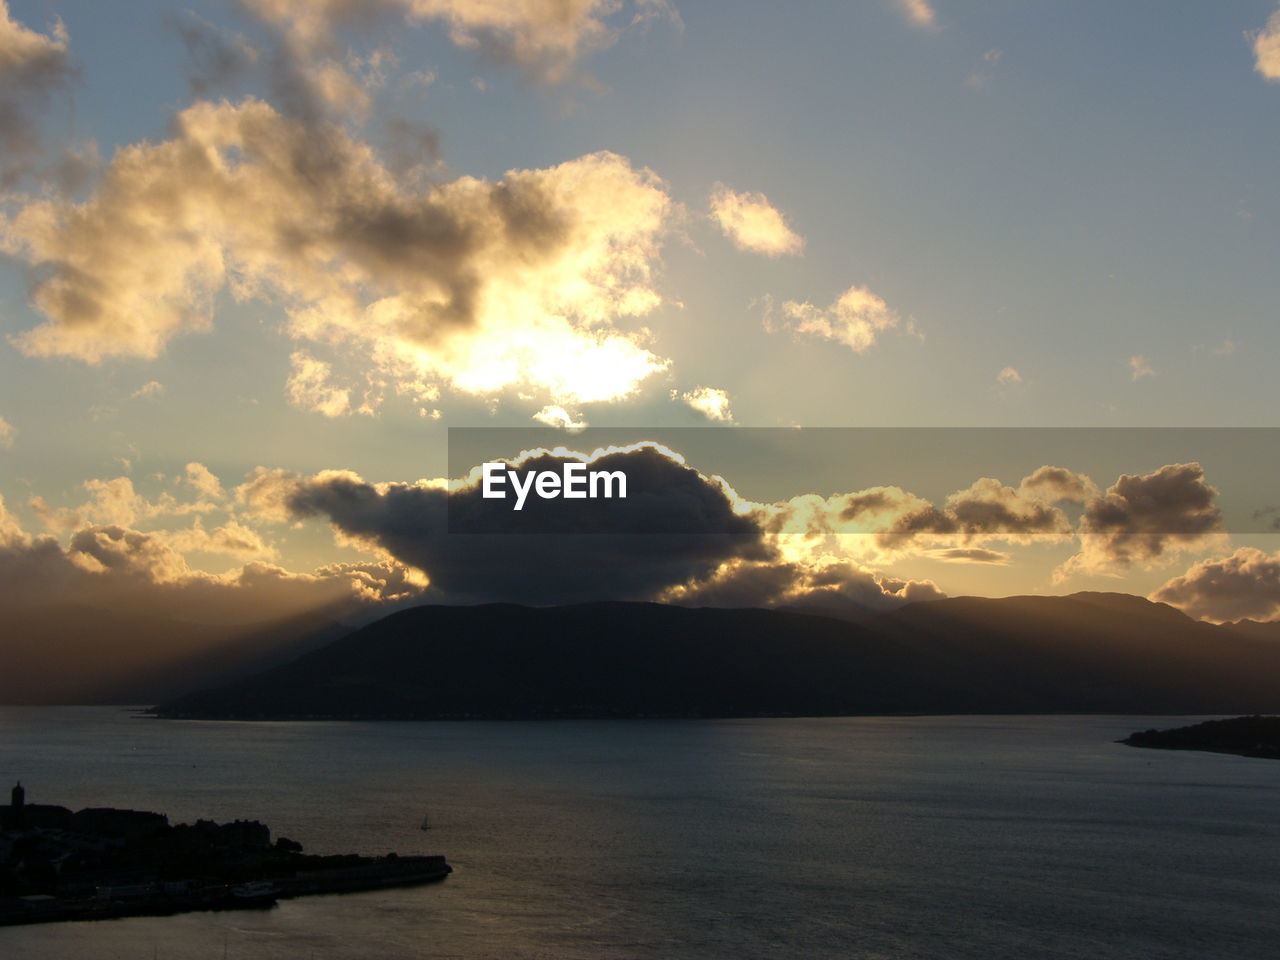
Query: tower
{"x":19,"y":796}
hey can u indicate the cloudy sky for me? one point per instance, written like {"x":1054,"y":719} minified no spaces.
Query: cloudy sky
{"x":258,"y":256}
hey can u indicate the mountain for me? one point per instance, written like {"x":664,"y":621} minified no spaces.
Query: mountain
{"x":1244,"y":736}
{"x":80,"y":654}
{"x":1090,"y":652}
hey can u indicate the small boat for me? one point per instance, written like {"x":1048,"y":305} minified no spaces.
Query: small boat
{"x":426,"y":823}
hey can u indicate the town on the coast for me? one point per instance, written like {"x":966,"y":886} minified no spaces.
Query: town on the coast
{"x":102,"y":862}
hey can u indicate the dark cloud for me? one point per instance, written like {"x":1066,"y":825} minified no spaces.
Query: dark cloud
{"x":970,"y":555}
{"x":1142,"y":518}
{"x":693,"y":530}
{"x":987,"y":508}
{"x":32,"y":67}
{"x":219,"y":58}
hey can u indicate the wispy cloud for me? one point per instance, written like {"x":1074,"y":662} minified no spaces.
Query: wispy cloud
{"x":918,"y":13}
{"x":855,"y":319}
{"x":1140,"y":367}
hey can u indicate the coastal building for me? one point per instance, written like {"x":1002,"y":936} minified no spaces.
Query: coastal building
{"x":20,"y":815}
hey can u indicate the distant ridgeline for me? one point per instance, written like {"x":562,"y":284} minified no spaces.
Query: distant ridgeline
{"x":101,"y":862}
{"x":1085,"y":653}
{"x":1244,"y":736}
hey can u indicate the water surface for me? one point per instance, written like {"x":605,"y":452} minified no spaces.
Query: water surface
{"x":969,"y":837}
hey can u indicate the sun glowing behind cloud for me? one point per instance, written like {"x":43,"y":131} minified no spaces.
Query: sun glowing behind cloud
{"x":473,"y":285}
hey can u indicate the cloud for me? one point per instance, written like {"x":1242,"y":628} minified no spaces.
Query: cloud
{"x":695,"y":529}
{"x":150,"y":389}
{"x":751,"y":223}
{"x":1266,"y":49}
{"x":887,"y":523}
{"x":711,"y":402}
{"x":1008,"y":376}
{"x":115,"y":502}
{"x":232,"y":539}
{"x":856,"y":319}
{"x":1143,"y":520}
{"x":1052,"y":484}
{"x":970,"y":555}
{"x":203,"y":480}
{"x":1245,"y":585}
{"x":218,"y":56}
{"x":475,"y":285}
{"x":1140,"y":367}
{"x":32,"y":66}
{"x":544,"y":37}
{"x":118,"y":568}
{"x":985,"y":509}
{"x":918,"y":13}
{"x":830,"y":586}
{"x":8,"y":433}
{"x":558,"y":417}
{"x":310,"y":386}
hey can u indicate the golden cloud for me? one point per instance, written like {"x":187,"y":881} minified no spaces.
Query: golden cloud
{"x":475,"y":285}
{"x":752,"y":223}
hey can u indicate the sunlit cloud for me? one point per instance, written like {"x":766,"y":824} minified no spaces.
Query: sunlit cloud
{"x":753,"y":224}
{"x":918,"y":13}
{"x":310,"y":386}
{"x":148,"y":391}
{"x":711,"y":402}
{"x":546,"y":38}
{"x":1243,"y":585}
{"x":203,"y":480}
{"x":855,"y":319}
{"x":1266,"y":49}
{"x":1140,"y":367}
{"x":8,"y":433}
{"x":1008,"y":376}
{"x":474,"y":285}
{"x":558,"y":417}
{"x":232,"y":539}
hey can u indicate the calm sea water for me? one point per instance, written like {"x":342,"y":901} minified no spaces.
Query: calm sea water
{"x":1023,"y":837}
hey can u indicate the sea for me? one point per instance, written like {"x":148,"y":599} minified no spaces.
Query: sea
{"x":860,"y":838}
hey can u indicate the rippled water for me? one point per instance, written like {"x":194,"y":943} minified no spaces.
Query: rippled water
{"x":1022,"y":837}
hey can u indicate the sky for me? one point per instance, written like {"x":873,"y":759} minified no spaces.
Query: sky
{"x":257,"y":257}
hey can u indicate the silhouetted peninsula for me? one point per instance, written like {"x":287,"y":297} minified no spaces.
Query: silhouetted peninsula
{"x":100,"y":863}
{"x":1244,"y":736}
{"x":1099,"y":653}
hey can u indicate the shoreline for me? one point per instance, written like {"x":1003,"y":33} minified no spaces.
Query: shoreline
{"x":157,"y":902}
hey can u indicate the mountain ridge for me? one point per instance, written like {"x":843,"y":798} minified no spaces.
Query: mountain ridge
{"x":1089,"y":652}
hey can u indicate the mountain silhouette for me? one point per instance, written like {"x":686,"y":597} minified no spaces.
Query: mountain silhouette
{"x":1089,"y":652}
